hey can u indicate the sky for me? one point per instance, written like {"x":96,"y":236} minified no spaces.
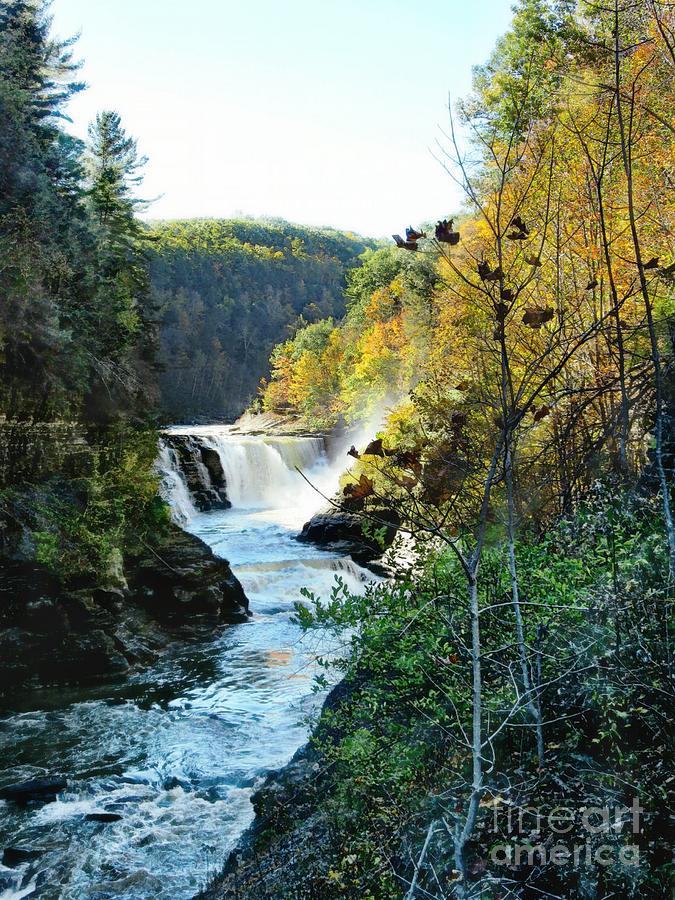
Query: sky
{"x":322,"y":112}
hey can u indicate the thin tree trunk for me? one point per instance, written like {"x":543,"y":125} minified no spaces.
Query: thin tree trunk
{"x":532,"y":705}
{"x":625,"y":412}
{"x":463,"y":835}
{"x":471,"y":568}
{"x":656,"y":359}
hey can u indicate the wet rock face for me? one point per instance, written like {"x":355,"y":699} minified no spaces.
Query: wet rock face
{"x":37,"y":790}
{"x":185,"y":577}
{"x":214,"y":467}
{"x":342,"y":529}
{"x":17,"y":856}
{"x":202,"y":471}
{"x":103,"y":817}
{"x":48,"y":635}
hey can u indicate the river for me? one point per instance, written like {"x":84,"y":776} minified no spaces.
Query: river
{"x":177,"y":749}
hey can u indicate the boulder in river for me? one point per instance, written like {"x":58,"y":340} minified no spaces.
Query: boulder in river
{"x":37,"y":790}
{"x":342,"y":529}
{"x":17,"y":856}
{"x":104,"y":817}
{"x":185,"y":578}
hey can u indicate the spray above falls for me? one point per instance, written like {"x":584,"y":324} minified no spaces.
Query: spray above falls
{"x":214,"y":467}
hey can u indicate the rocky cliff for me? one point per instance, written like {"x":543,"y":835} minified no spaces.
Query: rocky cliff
{"x":49,"y":634}
{"x":201,"y":470}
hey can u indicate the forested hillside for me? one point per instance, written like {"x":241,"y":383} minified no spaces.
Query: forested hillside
{"x":79,"y":399}
{"x":516,"y":366}
{"x":547,"y":308}
{"x":227,"y":292}
{"x":74,"y":330}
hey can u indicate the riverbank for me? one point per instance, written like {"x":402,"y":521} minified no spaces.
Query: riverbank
{"x":283,"y":853}
{"x":50,"y":635}
{"x":160,"y":761}
{"x":368,"y":807}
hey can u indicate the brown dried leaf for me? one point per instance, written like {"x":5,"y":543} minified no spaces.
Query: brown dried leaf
{"x":364,"y":488}
{"x":536,"y":316}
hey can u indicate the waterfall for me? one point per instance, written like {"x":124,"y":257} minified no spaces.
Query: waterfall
{"x":173,"y":487}
{"x":260,"y":472}
{"x":212,"y":467}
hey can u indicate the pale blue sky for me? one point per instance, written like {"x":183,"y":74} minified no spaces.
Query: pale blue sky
{"x":320,"y":111}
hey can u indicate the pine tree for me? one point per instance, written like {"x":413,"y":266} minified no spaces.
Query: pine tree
{"x":124,"y":364}
{"x":114,"y":170}
{"x":42,"y":225}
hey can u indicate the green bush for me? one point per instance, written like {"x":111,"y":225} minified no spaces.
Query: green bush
{"x":90,"y":525}
{"x":593,"y":593}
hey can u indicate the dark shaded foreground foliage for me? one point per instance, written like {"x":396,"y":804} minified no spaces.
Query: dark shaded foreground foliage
{"x":390,"y":766}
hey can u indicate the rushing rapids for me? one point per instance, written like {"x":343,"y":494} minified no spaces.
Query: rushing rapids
{"x":172,"y":754}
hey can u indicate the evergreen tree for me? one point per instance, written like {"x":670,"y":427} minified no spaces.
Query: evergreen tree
{"x":125,"y":334}
{"x":114,"y":169}
{"x":42,"y":225}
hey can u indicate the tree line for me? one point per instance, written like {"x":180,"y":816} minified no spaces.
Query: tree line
{"x":76,"y":329}
{"x":519,"y":357}
{"x":226,"y":291}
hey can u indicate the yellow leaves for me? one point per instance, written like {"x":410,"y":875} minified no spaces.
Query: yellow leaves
{"x":384,"y":302}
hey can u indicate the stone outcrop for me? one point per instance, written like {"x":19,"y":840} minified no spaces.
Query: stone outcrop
{"x":202,"y":470}
{"x":343,"y":529}
{"x":37,"y":790}
{"x":272,"y":423}
{"x":51,"y":635}
{"x":186,"y":578}
{"x":31,"y":451}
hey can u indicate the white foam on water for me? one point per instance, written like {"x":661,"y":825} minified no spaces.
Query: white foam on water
{"x":173,"y":487}
{"x":177,"y":750}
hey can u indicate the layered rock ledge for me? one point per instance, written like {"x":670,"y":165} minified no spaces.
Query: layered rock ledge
{"x":50,"y":635}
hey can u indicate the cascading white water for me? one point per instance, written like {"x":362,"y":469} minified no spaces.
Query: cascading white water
{"x":173,"y":487}
{"x":262,"y":472}
{"x":176,"y":751}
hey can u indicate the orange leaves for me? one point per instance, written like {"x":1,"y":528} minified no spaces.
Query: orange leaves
{"x":488,"y":274}
{"x":450,"y":660}
{"x":375,"y":448}
{"x":405,"y":481}
{"x":409,"y":459}
{"x":445,"y":233}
